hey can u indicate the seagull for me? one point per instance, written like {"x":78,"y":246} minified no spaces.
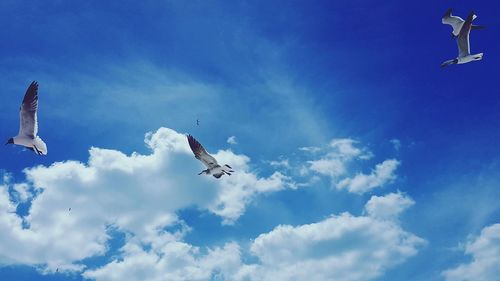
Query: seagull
{"x":201,"y":154}
{"x":457,"y":23}
{"x":28,"y":127}
{"x":464,"y":55}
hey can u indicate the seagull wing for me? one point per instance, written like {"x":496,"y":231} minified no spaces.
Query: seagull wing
{"x":463,"y":37}
{"x":201,"y":154}
{"x":448,"y":18}
{"x":454,"y":21}
{"x":28,"y":120}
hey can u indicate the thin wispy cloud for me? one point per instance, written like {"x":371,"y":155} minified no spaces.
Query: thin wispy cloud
{"x":232,"y":140}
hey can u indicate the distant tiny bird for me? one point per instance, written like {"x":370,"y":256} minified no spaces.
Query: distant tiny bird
{"x":28,"y":127}
{"x":69,"y":209}
{"x":201,"y":154}
{"x":464,"y":55}
{"x":197,"y":122}
{"x":456,"y":23}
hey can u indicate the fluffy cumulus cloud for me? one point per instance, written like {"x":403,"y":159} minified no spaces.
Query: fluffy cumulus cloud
{"x":342,"y":247}
{"x":361,"y":183}
{"x":171,"y":259}
{"x":335,"y":162}
{"x":137,"y":194}
{"x":485,"y":253}
{"x":388,"y":206}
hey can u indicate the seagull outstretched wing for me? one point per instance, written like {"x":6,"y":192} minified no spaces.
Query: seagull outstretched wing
{"x":28,"y":118}
{"x":454,"y":21}
{"x":201,"y":154}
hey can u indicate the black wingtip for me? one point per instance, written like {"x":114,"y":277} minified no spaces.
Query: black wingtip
{"x":193,"y":144}
{"x":447,"y":14}
{"x":191,"y":140}
{"x":34,"y":84}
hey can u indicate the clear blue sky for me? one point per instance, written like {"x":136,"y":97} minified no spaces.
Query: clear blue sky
{"x":358,"y":83}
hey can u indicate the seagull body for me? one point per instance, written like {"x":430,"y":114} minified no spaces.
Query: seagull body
{"x":457,"y":23}
{"x":28,"y":127}
{"x":464,"y":55}
{"x":213,"y":168}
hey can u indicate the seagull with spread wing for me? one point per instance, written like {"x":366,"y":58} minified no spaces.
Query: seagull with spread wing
{"x":213,"y":168}
{"x":28,"y":127}
{"x":457,"y":23}
{"x":463,"y":43}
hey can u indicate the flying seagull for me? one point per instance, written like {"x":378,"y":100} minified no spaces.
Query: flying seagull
{"x":28,"y":127}
{"x":457,"y":23}
{"x":212,"y":167}
{"x":464,"y":55}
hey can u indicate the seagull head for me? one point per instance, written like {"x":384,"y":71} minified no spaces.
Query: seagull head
{"x":11,"y":140}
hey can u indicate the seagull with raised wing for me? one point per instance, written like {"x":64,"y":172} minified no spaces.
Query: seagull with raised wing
{"x":213,"y":168}
{"x":28,"y":128}
{"x":463,"y":43}
{"x":457,"y":23}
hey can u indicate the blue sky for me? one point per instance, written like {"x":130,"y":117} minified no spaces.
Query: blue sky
{"x":351,"y":141}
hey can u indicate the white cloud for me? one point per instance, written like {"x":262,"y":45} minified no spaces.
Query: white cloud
{"x":343,"y":247}
{"x":337,"y":159}
{"x":134,"y":193}
{"x":140,"y":194}
{"x":311,"y":149}
{"x":485,"y":252}
{"x":23,"y":192}
{"x":388,"y":206}
{"x":232,"y":140}
{"x":340,"y":152}
{"x":170,"y":259}
{"x":281,"y":163}
{"x":361,"y":183}
{"x":396,"y":143}
{"x":346,"y":148}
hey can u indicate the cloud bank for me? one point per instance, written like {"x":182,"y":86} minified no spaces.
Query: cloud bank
{"x":340,"y":247}
{"x":137,"y":194}
{"x":140,"y":194}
